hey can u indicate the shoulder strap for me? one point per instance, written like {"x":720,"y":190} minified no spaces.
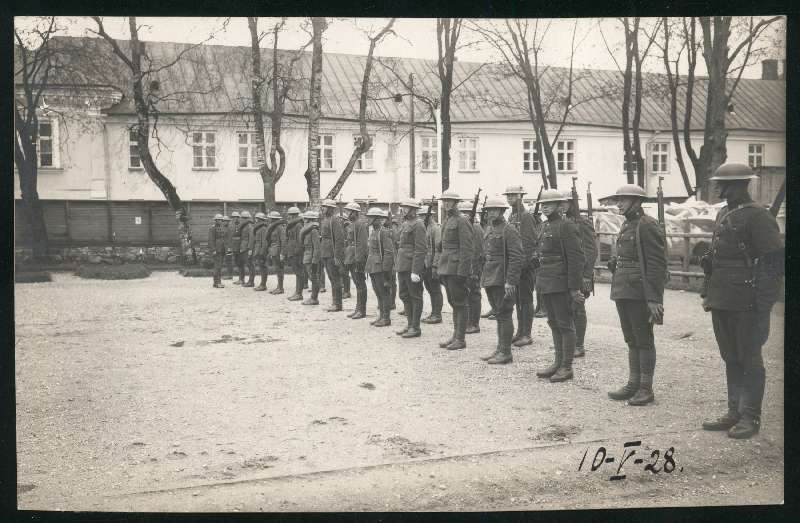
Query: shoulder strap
{"x":740,"y":240}
{"x":563,"y":250}
{"x":642,"y":263}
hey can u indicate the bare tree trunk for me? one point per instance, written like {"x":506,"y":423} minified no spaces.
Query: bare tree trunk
{"x":673,"y":82}
{"x":627,"y":82}
{"x":25,"y":159}
{"x":637,"y":107}
{"x":318,"y":25}
{"x":448,"y":31}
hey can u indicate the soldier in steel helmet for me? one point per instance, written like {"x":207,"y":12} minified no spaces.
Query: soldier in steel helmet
{"x":312,"y":255}
{"x":294,"y":252}
{"x":410,"y":263}
{"x":276,"y":246}
{"x":332,"y":246}
{"x":560,"y":260}
{"x":216,"y":247}
{"x":236,"y":242}
{"x":474,"y":280}
{"x":455,"y":266}
{"x":504,"y":257}
{"x":589,"y":247}
{"x":743,"y":272}
{"x":380,"y":262}
{"x":260,"y":243}
{"x":227,"y":229}
{"x":347,"y":266}
{"x":246,"y":250}
{"x":525,"y":224}
{"x":430,"y":276}
{"x":637,"y":288}
{"x":356,"y":257}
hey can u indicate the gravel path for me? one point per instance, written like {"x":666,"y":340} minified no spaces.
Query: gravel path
{"x":169,"y":387}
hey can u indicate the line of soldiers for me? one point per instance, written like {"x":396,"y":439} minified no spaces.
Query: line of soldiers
{"x":513,"y":260}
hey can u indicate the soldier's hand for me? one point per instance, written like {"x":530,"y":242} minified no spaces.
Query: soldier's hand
{"x":282,"y":257}
{"x":511,"y":290}
{"x":656,"y":312}
{"x":577,"y":296}
{"x":415,"y":277}
{"x":706,"y":306}
{"x":250,"y":253}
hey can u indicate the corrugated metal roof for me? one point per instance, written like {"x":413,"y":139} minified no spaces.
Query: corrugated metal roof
{"x":215,"y":79}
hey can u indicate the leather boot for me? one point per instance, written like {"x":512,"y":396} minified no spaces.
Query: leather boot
{"x":489,"y":355}
{"x":549,"y":371}
{"x":725,"y":422}
{"x":525,"y":334}
{"x":461,"y":326}
{"x":647,"y":364}
{"x":487,"y":314}
{"x":416,"y":311}
{"x":361,"y":307}
{"x":503,"y":356}
{"x":517,"y":335}
{"x":747,"y":427}
{"x":473,"y":319}
{"x":628,"y":390}
{"x":218,"y":285}
{"x":733,"y":415}
{"x":447,"y":343}
{"x":311,"y":301}
{"x":406,"y":307}
{"x":385,"y":320}
{"x":564,"y":372}
{"x":295,"y":297}
{"x":262,"y":286}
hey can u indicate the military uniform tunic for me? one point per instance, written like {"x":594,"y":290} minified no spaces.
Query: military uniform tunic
{"x":504,"y":258}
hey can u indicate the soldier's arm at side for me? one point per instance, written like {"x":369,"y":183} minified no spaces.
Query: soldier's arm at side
{"x":337,"y":233}
{"x":464,"y":248}
{"x":589,"y":247}
{"x":420,"y":248}
{"x":437,"y":243}
{"x":528,"y":234}
{"x":211,"y":238}
{"x":515,"y":256}
{"x":574,"y":253}
{"x":655,"y":259}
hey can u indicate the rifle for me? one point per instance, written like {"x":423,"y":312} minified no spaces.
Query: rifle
{"x":660,"y":199}
{"x":430,"y":209}
{"x":576,"y":209}
{"x":483,"y":211}
{"x":589,"y":200}
{"x":475,"y":206}
{"x":536,"y":213}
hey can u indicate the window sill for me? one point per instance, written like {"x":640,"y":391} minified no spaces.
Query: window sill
{"x":248,"y":169}
{"x":429,"y":171}
{"x":136,"y":169}
{"x":327,"y":170}
{"x":657,"y":173}
{"x":475,"y":171}
{"x":205,"y":168}
{"x":54,"y":170}
{"x":574,"y":171}
{"x":538,"y":173}
{"x":364,"y":171}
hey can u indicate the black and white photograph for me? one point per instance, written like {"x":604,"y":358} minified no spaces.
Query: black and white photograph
{"x":335,"y":264}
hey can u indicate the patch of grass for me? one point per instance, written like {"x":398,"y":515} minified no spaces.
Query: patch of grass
{"x":32,"y":277}
{"x":128,"y":271}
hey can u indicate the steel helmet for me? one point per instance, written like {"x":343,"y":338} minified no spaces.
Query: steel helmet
{"x":464,"y":206}
{"x":246,"y":214}
{"x":408,"y":202}
{"x":496,"y":203}
{"x":293,"y":210}
{"x":353,"y":206}
{"x":515,"y":189}
{"x":217,"y":217}
{"x":328,"y":203}
{"x":449,"y":195}
{"x":261,"y":216}
{"x":631,"y":190}
{"x":375,"y":212}
{"x":311,"y":215}
{"x":226,"y":219}
{"x":236,"y":214}
{"x":732,"y":171}
{"x":552,"y":195}
{"x":274,"y":215}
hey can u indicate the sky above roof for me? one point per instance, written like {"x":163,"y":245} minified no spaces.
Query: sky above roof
{"x":599,"y":41}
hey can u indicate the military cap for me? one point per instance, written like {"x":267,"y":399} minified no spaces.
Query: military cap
{"x":260,"y":216}
{"x":496,"y":203}
{"x":226,"y":219}
{"x":449,"y":195}
{"x":408,"y":202}
{"x":236,"y":214}
{"x":246,"y":214}
{"x":376,"y":212}
{"x":274,"y":215}
{"x":328,"y":203}
{"x":311,"y":215}
{"x":293,"y":210}
{"x":515,"y":189}
{"x":353,"y":206}
{"x":552,"y":195}
{"x":631,"y":189}
{"x":732,"y":172}
{"x":217,"y":217}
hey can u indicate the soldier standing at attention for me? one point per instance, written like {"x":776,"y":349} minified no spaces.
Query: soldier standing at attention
{"x":525,"y":224}
{"x":410,"y":263}
{"x":589,"y":247}
{"x":430,"y":277}
{"x":379,"y":264}
{"x":455,"y":266}
{"x":216,"y":247}
{"x":276,"y":247}
{"x":294,"y":252}
{"x":246,"y":250}
{"x":347,"y":265}
{"x":356,"y":256}
{"x":474,"y":280}
{"x":743,"y":281}
{"x":561,"y":263}
{"x":260,"y":249}
{"x":332,"y":246}
{"x":504,"y":255}
{"x":312,"y":256}
{"x":637,"y":287}
{"x":236,"y":242}
{"x":228,"y":235}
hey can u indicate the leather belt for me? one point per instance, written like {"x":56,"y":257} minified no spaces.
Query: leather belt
{"x":546,"y":260}
{"x":633,"y":264}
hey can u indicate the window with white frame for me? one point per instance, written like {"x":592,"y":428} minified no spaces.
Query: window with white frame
{"x":364,"y":162}
{"x":47,"y":144}
{"x":134,"y":159}
{"x":204,"y":149}
{"x":248,"y":150}
{"x":467,"y":153}
{"x":530,"y":156}
{"x":629,"y":161}
{"x":325,"y":160}
{"x":659,"y":158}
{"x":755,"y":155}
{"x":565,"y":155}
{"x":430,"y":151}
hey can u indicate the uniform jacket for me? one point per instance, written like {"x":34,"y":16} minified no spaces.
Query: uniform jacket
{"x":528,"y":232}
{"x":477,"y":249}
{"x":311,"y":244}
{"x":742,"y":236}
{"x":216,"y":239}
{"x":588,"y":245}
{"x":349,"y":243}
{"x":560,"y":257}
{"x":277,"y":241}
{"x":394,"y":228}
{"x":381,"y":251}
{"x":357,"y":248}
{"x":227,"y":234}
{"x":236,"y":236}
{"x":331,"y":232}
{"x":413,"y":247}
{"x":627,"y":282}
{"x":293,"y":228}
{"x":260,"y":239}
{"x":433,"y":237}
{"x":504,"y":255}
{"x":455,"y":247}
{"x":246,"y":232}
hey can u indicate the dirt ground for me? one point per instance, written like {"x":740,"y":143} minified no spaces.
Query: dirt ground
{"x":164,"y":394}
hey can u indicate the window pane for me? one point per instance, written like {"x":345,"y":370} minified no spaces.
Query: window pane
{"x":210,"y":151}
{"x":210,"y":162}
{"x":135,"y":162}
{"x":243,"y":138}
{"x":197,"y":137}
{"x":327,"y":139}
{"x":134,"y":150}
{"x":46,"y":147}
{"x":242,"y":156}
{"x":45,"y":129}
{"x":46,"y":160}
{"x":132,"y":136}
{"x":210,"y":137}
{"x":198,"y":161}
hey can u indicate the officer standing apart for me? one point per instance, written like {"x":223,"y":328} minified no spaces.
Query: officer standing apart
{"x":294,"y":252}
{"x":312,"y":256}
{"x":379,"y":264}
{"x":474,"y":280}
{"x":525,"y":224}
{"x":216,"y":246}
{"x":410,"y":263}
{"x":332,"y":246}
{"x":559,"y":280}
{"x":356,"y":258}
{"x":743,"y":281}
{"x":430,"y":276}
{"x":589,"y":247}
{"x":455,"y":266}
{"x":260,"y":249}
{"x":246,"y":250}
{"x":504,"y":258}
{"x":637,"y":287}
{"x":228,"y":235}
{"x":276,"y":241}
{"x":236,"y":242}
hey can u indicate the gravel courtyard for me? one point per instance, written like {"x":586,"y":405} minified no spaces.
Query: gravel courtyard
{"x":163,"y":394}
